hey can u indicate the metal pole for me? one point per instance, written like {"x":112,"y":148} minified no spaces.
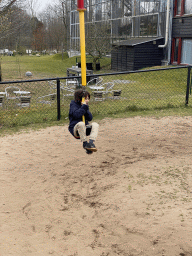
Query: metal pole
{"x":82,"y":41}
{"x":188,"y":83}
{"x":81,"y":9}
{"x":58,"y":101}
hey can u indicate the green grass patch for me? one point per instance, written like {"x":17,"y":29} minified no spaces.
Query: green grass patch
{"x":15,"y":67}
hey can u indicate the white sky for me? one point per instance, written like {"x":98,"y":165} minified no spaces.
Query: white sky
{"x":42,"y":5}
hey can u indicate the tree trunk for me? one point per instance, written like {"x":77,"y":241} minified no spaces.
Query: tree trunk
{"x":0,"y":73}
{"x":94,"y":63}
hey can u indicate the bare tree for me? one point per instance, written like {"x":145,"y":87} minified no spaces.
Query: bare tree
{"x":5,"y":6}
{"x":5,"y":9}
{"x":33,"y":6}
{"x":97,"y":41}
{"x":65,"y":18}
{"x":62,"y":14}
{"x":39,"y":42}
{"x":53,"y":23}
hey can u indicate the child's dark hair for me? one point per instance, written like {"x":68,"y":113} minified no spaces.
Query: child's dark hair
{"x":79,"y":94}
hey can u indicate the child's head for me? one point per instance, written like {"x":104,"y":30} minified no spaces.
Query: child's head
{"x":79,"y":94}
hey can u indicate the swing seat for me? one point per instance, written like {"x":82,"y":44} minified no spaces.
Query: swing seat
{"x":88,"y":131}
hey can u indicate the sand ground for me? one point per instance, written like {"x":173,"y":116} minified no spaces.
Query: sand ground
{"x":132,"y":197}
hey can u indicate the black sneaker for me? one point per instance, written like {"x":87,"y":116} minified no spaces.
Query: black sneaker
{"x":89,"y":152}
{"x":89,"y":146}
{"x":93,"y":146}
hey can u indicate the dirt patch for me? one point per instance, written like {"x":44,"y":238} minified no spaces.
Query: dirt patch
{"x":132,"y":197}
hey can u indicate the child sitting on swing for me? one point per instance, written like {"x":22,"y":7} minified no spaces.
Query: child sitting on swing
{"x":77,"y":127}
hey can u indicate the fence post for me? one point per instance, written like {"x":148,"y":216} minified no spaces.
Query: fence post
{"x":188,"y":85}
{"x":58,"y":101}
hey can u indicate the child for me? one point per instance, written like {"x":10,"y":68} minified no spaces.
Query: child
{"x":77,"y":127}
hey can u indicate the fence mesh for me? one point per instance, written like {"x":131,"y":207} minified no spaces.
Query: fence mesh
{"x":27,"y":102}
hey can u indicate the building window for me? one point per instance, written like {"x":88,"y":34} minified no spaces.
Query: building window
{"x":188,"y":7}
{"x":182,"y":7}
{"x":179,"y":7}
{"x":176,"y":47}
{"x":182,"y":47}
{"x":176,"y":50}
{"x":186,"y":54}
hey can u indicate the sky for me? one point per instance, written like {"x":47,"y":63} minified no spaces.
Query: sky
{"x":43,"y":4}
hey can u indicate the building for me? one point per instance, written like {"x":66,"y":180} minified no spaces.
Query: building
{"x":165,"y":21}
{"x":182,"y":32}
{"x":137,"y":53}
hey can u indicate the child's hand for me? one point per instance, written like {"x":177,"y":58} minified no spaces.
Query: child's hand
{"x":86,"y":101}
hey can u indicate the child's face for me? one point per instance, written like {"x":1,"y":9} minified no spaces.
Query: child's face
{"x":86,"y":100}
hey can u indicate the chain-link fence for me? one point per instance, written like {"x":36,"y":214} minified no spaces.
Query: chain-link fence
{"x":37,"y":101}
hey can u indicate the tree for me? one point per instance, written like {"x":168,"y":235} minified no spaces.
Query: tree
{"x":66,"y":19}
{"x":39,"y":37}
{"x":58,"y":22}
{"x":5,"y":8}
{"x":12,"y":17}
{"x":54,"y":27}
{"x":0,"y":72}
{"x":32,"y":7}
{"x":19,"y":31}
{"x":97,"y":41}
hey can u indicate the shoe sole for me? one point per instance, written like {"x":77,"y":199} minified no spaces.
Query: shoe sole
{"x":91,"y":149}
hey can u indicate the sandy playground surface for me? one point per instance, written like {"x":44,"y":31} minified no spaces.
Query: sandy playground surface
{"x":132,"y":197}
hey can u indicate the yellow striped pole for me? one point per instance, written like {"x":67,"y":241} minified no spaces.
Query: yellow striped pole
{"x":81,"y":9}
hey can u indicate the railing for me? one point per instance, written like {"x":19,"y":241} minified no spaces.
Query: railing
{"x":43,"y":100}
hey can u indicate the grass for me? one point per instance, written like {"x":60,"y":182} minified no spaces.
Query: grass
{"x":14,"y":68}
{"x":155,"y":93}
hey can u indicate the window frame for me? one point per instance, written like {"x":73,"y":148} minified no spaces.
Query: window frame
{"x":186,"y":14}
{"x":182,"y":8}
{"x":178,"y":61}
{"x":182,"y":13}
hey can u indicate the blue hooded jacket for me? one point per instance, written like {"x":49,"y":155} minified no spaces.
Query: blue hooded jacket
{"x":76,"y":112}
